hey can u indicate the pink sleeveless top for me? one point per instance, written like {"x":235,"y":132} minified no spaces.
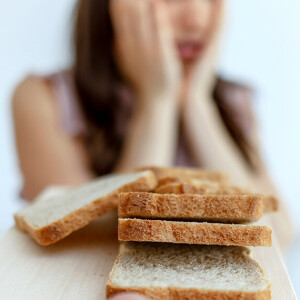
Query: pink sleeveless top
{"x":73,"y":122}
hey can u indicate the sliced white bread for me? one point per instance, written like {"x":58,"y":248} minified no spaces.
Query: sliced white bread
{"x":203,"y":187}
{"x":166,"y":175}
{"x":50,"y":220}
{"x":201,"y":233}
{"x":218,"y":208}
{"x":169,"y":272}
{"x":213,"y":188}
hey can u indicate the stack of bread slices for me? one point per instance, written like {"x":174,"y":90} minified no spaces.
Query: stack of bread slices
{"x":186,"y":239}
{"x":183,"y":231}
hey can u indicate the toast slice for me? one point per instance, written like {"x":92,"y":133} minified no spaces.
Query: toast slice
{"x":218,"y":208}
{"x":177,"y":272}
{"x":201,"y":188}
{"x":141,"y":230}
{"x":48,"y":221}
{"x":213,"y":188}
{"x":167,"y":175}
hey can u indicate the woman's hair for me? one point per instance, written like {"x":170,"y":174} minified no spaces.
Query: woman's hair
{"x":97,"y":80}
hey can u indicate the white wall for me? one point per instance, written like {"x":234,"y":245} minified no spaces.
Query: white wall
{"x":34,"y":37}
{"x":262,"y":46}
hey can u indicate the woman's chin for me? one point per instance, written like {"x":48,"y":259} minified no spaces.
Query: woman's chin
{"x":189,"y":64}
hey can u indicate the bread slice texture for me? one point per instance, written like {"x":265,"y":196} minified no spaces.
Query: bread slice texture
{"x":220,"y":208}
{"x":213,"y":188}
{"x":169,"y":272}
{"x":200,"y":233}
{"x":201,"y":188}
{"x":50,"y":220}
{"x":173,"y":179}
{"x":167,"y":175}
{"x":271,"y":203}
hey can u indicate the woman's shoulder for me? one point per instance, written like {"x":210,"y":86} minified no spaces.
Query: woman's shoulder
{"x":232,"y":91}
{"x":53,"y":97}
{"x":234,"y":102}
{"x":30,"y":89}
{"x":33,"y":98}
{"x":32,"y":86}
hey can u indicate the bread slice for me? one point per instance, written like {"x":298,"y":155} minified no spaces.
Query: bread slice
{"x":167,"y":180}
{"x":271,"y":203}
{"x":48,"y":221}
{"x":141,"y":230}
{"x":219,"y":208}
{"x":201,"y":188}
{"x":213,"y":188}
{"x":170,"y":272}
{"x":167,"y":175}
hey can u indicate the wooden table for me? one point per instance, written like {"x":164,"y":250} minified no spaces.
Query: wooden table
{"x":77,"y":267}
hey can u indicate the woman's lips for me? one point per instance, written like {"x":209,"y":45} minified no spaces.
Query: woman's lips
{"x":189,"y":50}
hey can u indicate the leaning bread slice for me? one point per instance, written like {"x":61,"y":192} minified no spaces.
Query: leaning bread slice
{"x":173,"y":179}
{"x":201,"y":188}
{"x":166,"y":175}
{"x":271,"y":203}
{"x":218,"y":208}
{"x":200,"y":233}
{"x":213,"y":188}
{"x":178,"y":272}
{"x":48,"y":221}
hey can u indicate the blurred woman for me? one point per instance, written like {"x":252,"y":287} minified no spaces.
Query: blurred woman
{"x":142,"y":90}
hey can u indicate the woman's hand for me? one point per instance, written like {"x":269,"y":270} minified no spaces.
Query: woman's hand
{"x":207,"y":136}
{"x":147,"y":57}
{"x":145,"y":47}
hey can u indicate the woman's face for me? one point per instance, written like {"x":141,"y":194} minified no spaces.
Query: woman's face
{"x":193,"y":22}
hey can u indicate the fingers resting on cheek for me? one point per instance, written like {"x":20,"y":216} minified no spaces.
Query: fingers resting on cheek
{"x":144,"y":44}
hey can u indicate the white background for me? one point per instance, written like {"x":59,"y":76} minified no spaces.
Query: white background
{"x":261,"y":46}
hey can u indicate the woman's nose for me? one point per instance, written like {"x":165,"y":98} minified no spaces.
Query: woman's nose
{"x":195,"y":14}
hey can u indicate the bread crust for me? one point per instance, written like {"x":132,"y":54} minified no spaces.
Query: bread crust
{"x":58,"y":230}
{"x":176,"y":293}
{"x":166,"y":175}
{"x":270,"y":202}
{"x":194,"y":233}
{"x":206,"y":188}
{"x":236,"y":208}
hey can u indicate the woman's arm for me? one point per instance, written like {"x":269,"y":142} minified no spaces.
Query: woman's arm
{"x":47,"y":156}
{"x":148,"y":60}
{"x":214,"y":149}
{"x":211,"y":144}
{"x":152,"y":135}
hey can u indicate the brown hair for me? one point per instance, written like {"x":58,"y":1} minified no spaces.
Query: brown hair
{"x":97,"y":79}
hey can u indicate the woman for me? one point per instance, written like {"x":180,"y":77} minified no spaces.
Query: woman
{"x":142,"y":91}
